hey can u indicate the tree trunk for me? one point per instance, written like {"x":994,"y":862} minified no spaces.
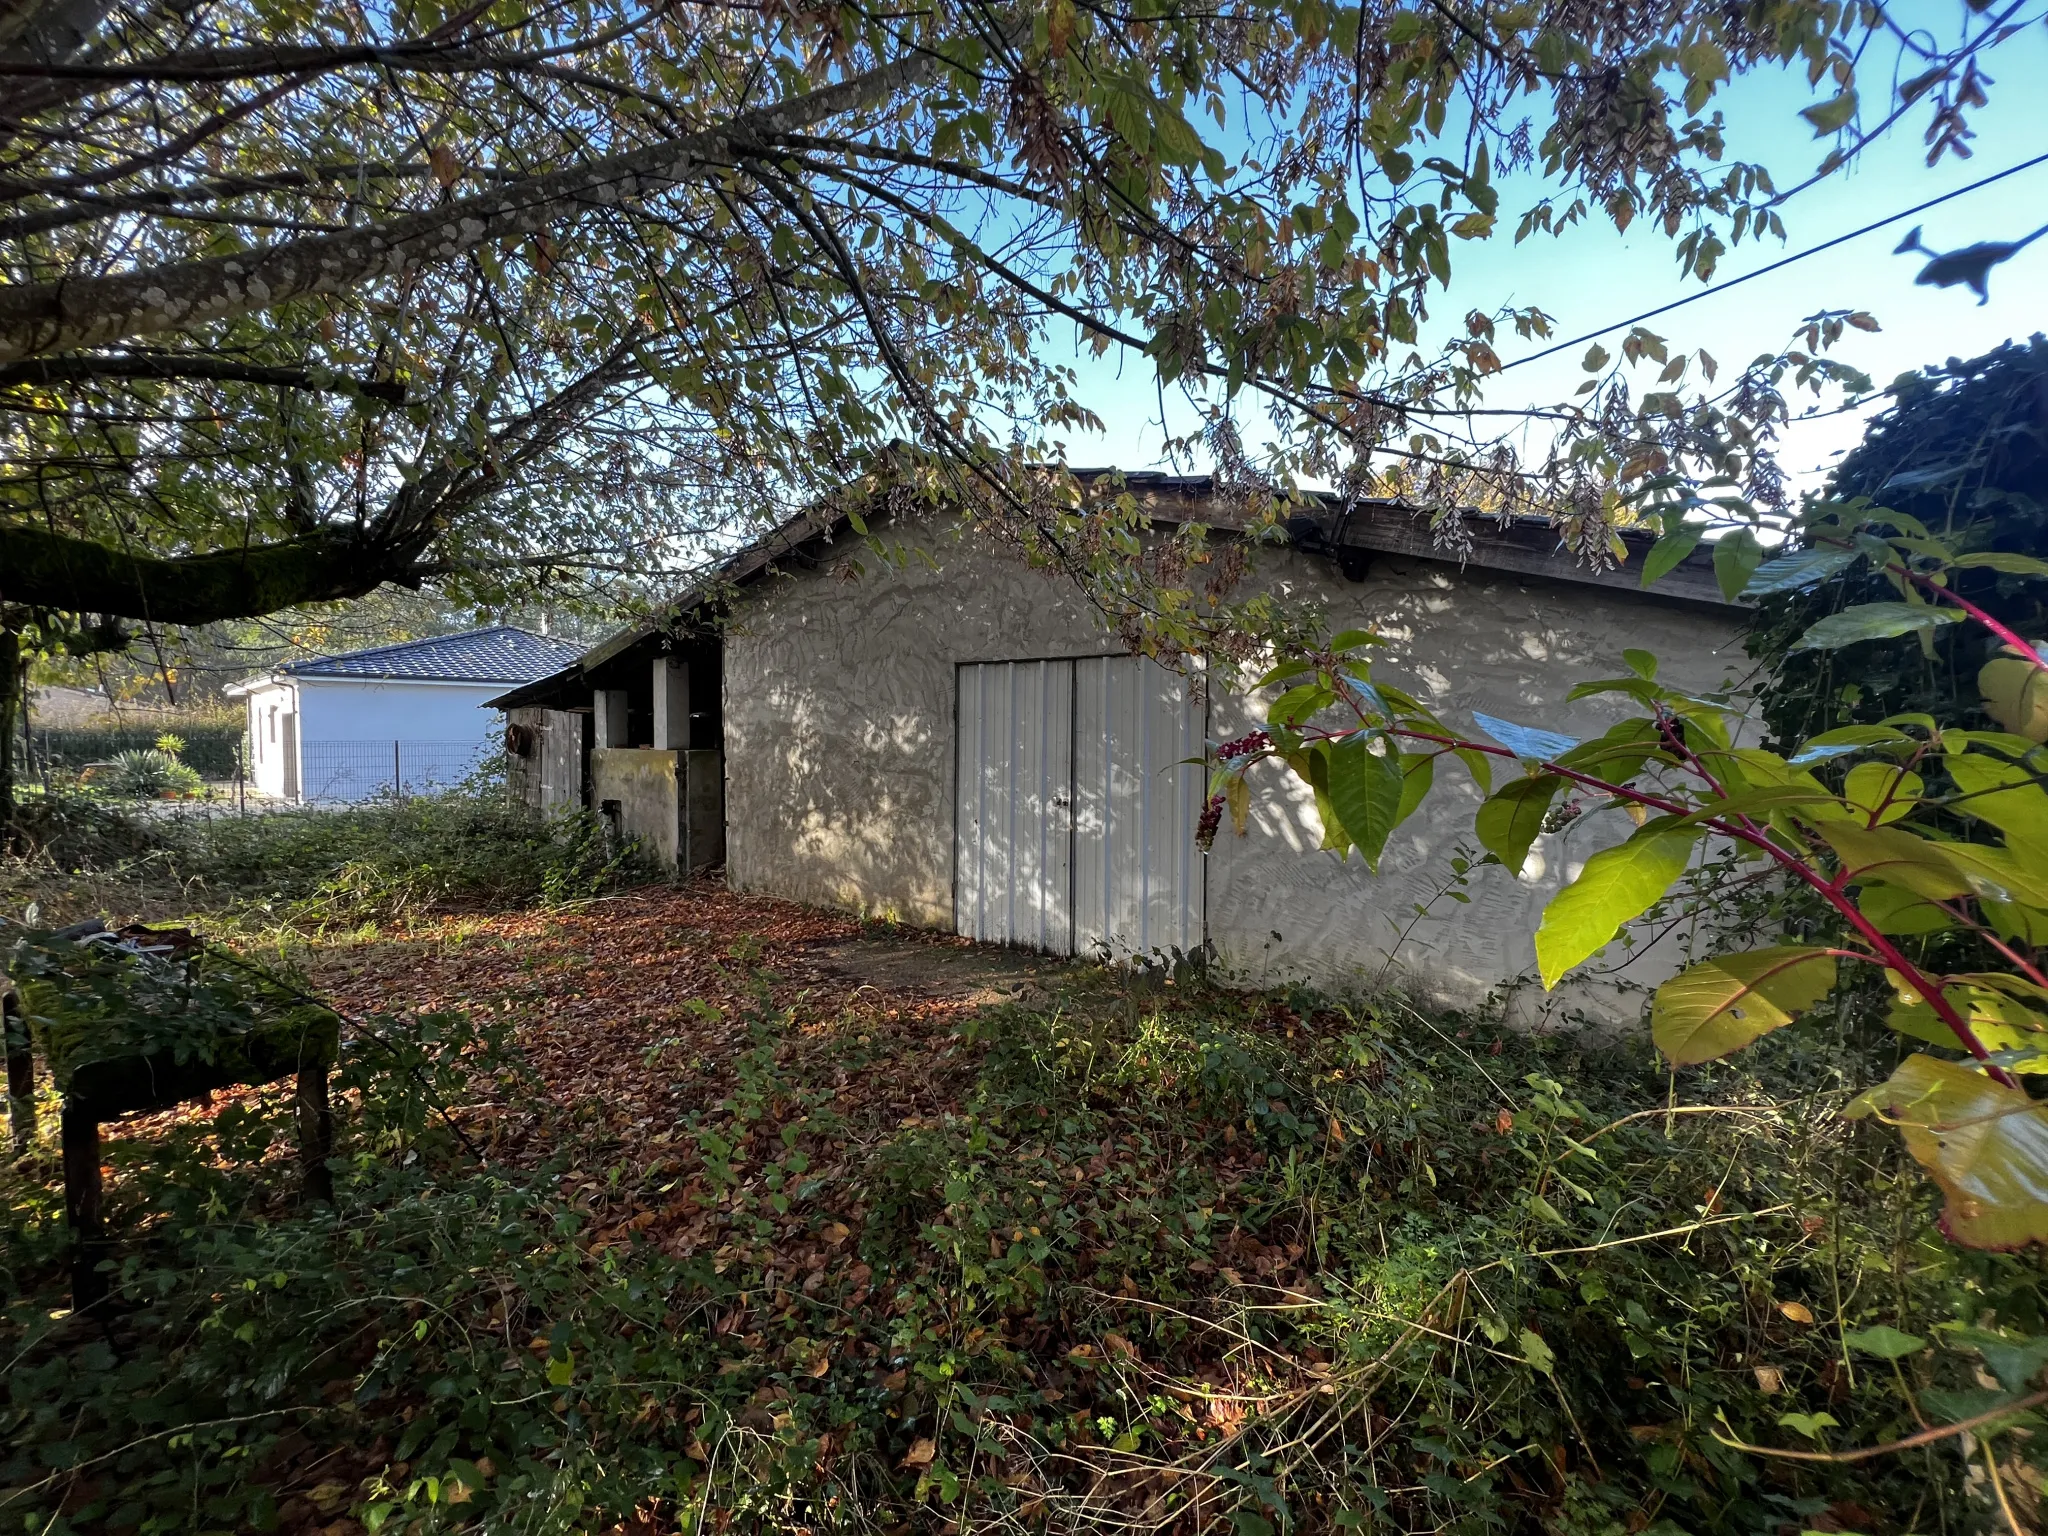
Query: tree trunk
{"x":13,"y":682}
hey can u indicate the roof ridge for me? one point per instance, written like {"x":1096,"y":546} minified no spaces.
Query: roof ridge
{"x":486,"y":654}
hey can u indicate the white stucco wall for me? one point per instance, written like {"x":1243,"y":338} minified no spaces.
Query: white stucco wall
{"x":839,"y":705}
{"x":268,"y":704}
{"x":346,"y":727}
{"x":360,"y":738}
{"x":358,"y":709}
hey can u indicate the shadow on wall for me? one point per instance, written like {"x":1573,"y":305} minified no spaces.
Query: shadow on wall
{"x":856,"y":807}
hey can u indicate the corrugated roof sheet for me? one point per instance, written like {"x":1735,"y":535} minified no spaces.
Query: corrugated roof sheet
{"x":500,"y":654}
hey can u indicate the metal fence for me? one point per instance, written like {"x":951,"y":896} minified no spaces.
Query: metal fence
{"x":349,"y":771}
{"x":213,"y":750}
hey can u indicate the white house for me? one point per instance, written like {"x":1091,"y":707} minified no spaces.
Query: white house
{"x":407,"y":718}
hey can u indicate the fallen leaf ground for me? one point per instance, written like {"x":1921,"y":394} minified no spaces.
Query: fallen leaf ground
{"x":634,"y":1009}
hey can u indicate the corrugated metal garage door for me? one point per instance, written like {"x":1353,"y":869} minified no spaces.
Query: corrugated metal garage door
{"x":1015,"y":843}
{"x":1076,"y":824}
{"x":1137,"y":872}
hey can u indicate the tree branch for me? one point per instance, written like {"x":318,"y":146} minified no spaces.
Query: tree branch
{"x":74,"y":575}
{"x":87,"y":208}
{"x":63,"y":316}
{"x":84,"y":369}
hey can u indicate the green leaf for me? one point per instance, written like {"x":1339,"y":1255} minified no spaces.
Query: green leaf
{"x":1365,"y":789}
{"x":1284,"y":671}
{"x":1809,"y":1424}
{"x":2004,"y":794}
{"x":1642,"y":663}
{"x":1510,"y":821}
{"x":1884,"y":1341}
{"x":1883,"y":792}
{"x":1298,"y":705}
{"x":2000,"y":874}
{"x":1801,"y":568}
{"x":1617,"y":885}
{"x":1832,"y":115}
{"x":1897,"y":857}
{"x":1618,"y":754}
{"x":1543,"y":1210}
{"x":2000,"y":1022}
{"x":1873,"y":621}
{"x":1986,"y":1145}
{"x":1351,"y":640}
{"x":1641,"y":689}
{"x":1536,"y":1352}
{"x":1176,"y":137}
{"x":1666,"y":554}
{"x":2014,"y":1361}
{"x":1736,"y":556}
{"x":1721,"y":1005}
{"x":1418,"y":773}
{"x":2016,"y":696}
{"x":1900,"y":913}
{"x":1313,"y":765}
{"x":562,"y":1370}
{"x":1999,"y":560}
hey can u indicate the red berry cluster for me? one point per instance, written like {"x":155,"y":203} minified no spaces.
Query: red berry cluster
{"x":1212,"y":818}
{"x":1244,"y":745}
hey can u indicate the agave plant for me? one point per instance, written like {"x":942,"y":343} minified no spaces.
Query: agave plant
{"x":149,"y":774}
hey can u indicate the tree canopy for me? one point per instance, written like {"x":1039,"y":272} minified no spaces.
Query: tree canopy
{"x":300,"y":300}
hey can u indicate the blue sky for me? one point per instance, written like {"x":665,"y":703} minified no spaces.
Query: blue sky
{"x":1592,"y":276}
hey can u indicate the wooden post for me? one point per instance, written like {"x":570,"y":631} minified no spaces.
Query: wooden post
{"x":21,"y":1075}
{"x":81,"y":1140}
{"x":316,"y":1131}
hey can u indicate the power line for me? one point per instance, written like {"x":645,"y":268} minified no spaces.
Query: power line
{"x":1733,"y":282}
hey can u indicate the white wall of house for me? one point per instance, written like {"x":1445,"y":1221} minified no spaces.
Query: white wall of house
{"x":346,"y":729}
{"x":840,"y":703}
{"x":272,"y":736}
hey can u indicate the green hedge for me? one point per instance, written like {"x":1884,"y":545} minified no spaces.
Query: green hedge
{"x":211,"y":749}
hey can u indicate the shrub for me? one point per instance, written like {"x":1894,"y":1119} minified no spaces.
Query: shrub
{"x":322,"y":869}
{"x":153,"y":773}
{"x":1964,"y":449}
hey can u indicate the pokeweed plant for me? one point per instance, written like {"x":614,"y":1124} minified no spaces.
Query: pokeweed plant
{"x":1904,"y":829}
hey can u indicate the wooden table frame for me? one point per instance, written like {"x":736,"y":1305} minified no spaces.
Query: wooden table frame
{"x":79,"y":1140}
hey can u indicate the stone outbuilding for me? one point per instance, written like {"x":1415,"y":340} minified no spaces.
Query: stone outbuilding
{"x":951,"y":739}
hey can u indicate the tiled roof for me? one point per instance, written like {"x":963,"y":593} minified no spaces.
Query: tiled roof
{"x":500,"y":654}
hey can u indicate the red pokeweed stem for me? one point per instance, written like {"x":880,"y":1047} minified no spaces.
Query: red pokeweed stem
{"x":1997,"y":626}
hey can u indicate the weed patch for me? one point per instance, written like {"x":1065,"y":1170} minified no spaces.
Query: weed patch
{"x":314,"y":871}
